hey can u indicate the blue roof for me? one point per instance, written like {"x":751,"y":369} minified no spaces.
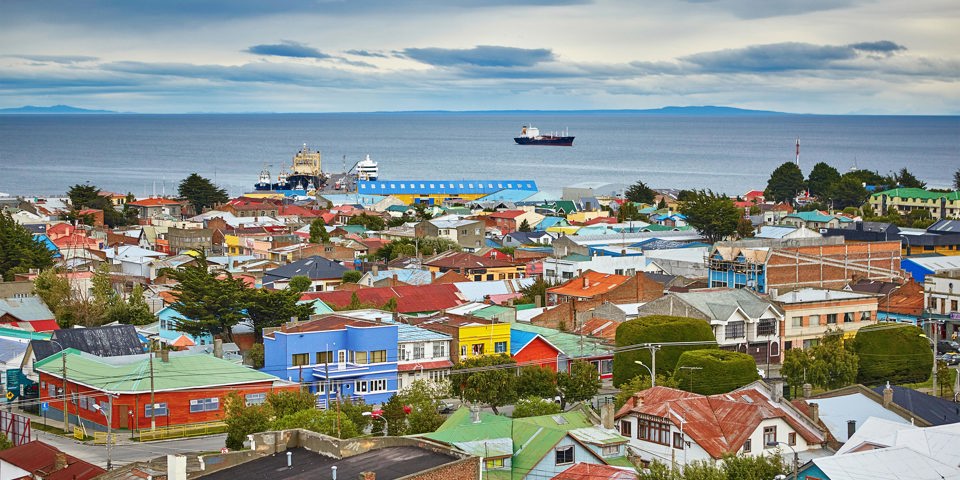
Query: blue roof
{"x":548,"y":222}
{"x":508,"y":196}
{"x":407,"y":275}
{"x":450,"y":187}
{"x":410,"y":333}
{"x":520,"y":339}
{"x":338,"y":199}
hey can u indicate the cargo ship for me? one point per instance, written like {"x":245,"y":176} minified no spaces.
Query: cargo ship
{"x":531,"y":136}
{"x":305,"y":174}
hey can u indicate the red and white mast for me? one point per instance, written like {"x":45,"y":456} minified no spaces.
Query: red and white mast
{"x":798,"y":151}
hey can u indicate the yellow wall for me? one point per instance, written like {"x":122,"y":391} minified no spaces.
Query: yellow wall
{"x":499,"y":273}
{"x":581,"y":217}
{"x":486,"y":335}
{"x":438,"y":198}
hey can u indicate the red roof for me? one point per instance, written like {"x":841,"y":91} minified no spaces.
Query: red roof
{"x":329,"y":322}
{"x":297,"y":210}
{"x":590,"y":284}
{"x":589,"y":471}
{"x":40,"y":459}
{"x":407,"y":367}
{"x":76,"y":240}
{"x":59,"y":229}
{"x":410,"y":298}
{"x":599,"y":328}
{"x":154,"y":202}
{"x":509,"y":214}
{"x":457,"y":260}
{"x":719,"y":424}
{"x":598,"y":220}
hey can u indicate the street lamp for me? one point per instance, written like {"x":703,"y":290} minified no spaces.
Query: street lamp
{"x":379,"y":414}
{"x":108,"y":417}
{"x":796,"y":457}
{"x":933,"y":342}
{"x":653,"y":378}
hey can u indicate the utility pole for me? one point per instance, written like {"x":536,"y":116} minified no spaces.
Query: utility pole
{"x":110,"y":426}
{"x":653,"y":364}
{"x":153,"y":404}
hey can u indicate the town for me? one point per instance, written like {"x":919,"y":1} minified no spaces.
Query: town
{"x":483,"y":328}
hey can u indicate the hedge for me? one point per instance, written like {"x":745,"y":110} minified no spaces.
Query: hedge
{"x":720,"y":371}
{"x":655,"y":329}
{"x":896,"y":353}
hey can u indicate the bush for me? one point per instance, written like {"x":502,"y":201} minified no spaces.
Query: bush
{"x":653,"y":329}
{"x":894,"y":353}
{"x":320,"y":421}
{"x":534,"y":407}
{"x":244,"y":420}
{"x":720,"y":370}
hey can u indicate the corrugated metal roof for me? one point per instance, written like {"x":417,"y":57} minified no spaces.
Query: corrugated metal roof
{"x":449,"y":187}
{"x":895,"y":463}
{"x":26,"y":308}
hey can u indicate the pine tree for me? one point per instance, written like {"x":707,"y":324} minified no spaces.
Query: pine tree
{"x":207,"y":302}
{"x":200,"y":192}
{"x":785,"y":183}
{"x":19,"y":250}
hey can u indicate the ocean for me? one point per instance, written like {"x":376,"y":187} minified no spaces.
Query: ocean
{"x":143,"y":154}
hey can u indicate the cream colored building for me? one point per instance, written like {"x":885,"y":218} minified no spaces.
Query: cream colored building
{"x":810,"y":312}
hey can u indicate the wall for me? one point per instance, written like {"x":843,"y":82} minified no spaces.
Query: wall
{"x":808,"y":331}
{"x":785,"y":273}
{"x":540,"y":352}
{"x":486,"y":335}
{"x":9,"y":471}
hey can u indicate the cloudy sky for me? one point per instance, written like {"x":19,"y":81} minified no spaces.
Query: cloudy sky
{"x":813,"y":56}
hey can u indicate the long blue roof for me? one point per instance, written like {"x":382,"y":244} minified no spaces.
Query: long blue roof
{"x":520,"y":339}
{"x":449,"y":187}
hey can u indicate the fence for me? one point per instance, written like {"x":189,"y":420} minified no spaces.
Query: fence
{"x":180,"y":431}
{"x":100,"y":438}
{"x":15,"y":427}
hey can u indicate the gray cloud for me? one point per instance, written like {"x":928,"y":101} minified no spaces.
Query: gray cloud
{"x":62,"y":59}
{"x":882,"y":46}
{"x":287,"y":48}
{"x":365,"y":53}
{"x":480,"y":56}
{"x":752,"y":9}
{"x":776,"y":57}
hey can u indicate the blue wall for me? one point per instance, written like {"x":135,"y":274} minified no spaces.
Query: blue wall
{"x":918,"y":272}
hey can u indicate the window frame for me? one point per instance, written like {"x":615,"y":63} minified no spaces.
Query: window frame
{"x":299,"y":359}
{"x":564,"y":450}
{"x":769,"y":436}
{"x":162,"y":409}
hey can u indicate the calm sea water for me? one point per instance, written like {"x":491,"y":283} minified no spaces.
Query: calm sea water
{"x":45,"y":154}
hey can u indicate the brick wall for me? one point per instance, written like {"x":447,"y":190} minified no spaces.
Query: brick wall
{"x":466,"y":469}
{"x":785,"y":273}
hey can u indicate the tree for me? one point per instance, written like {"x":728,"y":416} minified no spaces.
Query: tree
{"x":243,"y":420}
{"x":956,"y":179}
{"x":715,"y":371}
{"x":657,"y":329}
{"x":5,"y":442}
{"x":785,"y":183}
{"x":354,"y":410}
{"x":628,"y":212}
{"x":714,"y":216}
{"x":19,"y":250}
{"x":640,"y":383}
{"x":849,"y":192}
{"x":686,"y":195}
{"x":299,"y":284}
{"x":290,"y":402}
{"x":537,"y":289}
{"x":732,"y":467}
{"x":369,"y":222}
{"x":494,"y":386}
{"x":662,"y":204}
{"x":821,"y":180}
{"x":897,"y":353}
{"x":138,"y":311}
{"x":533,"y":406}
{"x":318,"y":231}
{"x":406,"y":247}
{"x":744,"y":228}
{"x":351,"y":276}
{"x":536,"y":381}
{"x":207,"y":302}
{"x":580,"y":383}
{"x":640,"y":193}
{"x":255,"y":354}
{"x":832,"y":365}
{"x":272,"y":308}
{"x":327,"y":422}
{"x":104,"y":295}
{"x":905,"y":179}
{"x":524,"y":226}
{"x":56,"y":293}
{"x":423,"y":398}
{"x":796,"y":364}
{"x":200,"y":192}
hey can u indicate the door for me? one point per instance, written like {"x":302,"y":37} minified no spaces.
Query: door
{"x":341,"y":357}
{"x":122,"y":412}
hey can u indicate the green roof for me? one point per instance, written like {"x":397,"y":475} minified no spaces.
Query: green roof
{"x":918,"y":193}
{"x":17,"y":333}
{"x":131,"y":374}
{"x":524,"y":306}
{"x":568,"y":343}
{"x":491,"y":311}
{"x":811,"y":216}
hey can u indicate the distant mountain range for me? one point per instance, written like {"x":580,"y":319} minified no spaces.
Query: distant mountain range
{"x":51,"y":109}
{"x":708,"y":110}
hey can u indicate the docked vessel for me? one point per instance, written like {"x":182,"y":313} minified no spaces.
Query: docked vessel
{"x":305,"y":174}
{"x":531,"y":136}
{"x":367,"y":169}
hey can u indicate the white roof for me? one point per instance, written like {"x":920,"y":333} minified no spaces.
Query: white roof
{"x":690,"y":254}
{"x":876,"y":431}
{"x":896,"y":463}
{"x":836,"y":411}
{"x":937,"y":264}
{"x":475,"y":291}
{"x":528,"y":314}
{"x":938,"y":442}
{"x":631,"y":309}
{"x":467,"y":308}
{"x":804,"y":295}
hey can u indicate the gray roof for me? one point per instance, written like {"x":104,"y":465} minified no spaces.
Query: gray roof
{"x":10,"y":349}
{"x":774,"y":231}
{"x":945,"y":226}
{"x":721,"y":303}
{"x":314,"y":268}
{"x":805,"y":295}
{"x":26,"y":308}
{"x":936,"y":411}
{"x":108,"y":341}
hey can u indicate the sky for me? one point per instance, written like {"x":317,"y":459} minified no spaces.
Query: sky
{"x":182,"y":56}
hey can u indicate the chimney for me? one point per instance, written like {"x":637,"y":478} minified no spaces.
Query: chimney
{"x":815,"y":413}
{"x":606,"y":416}
{"x":807,"y":390}
{"x":851,"y":428}
{"x":537,"y":299}
{"x":475,"y":413}
{"x":433,"y":276}
{"x":60,"y":461}
{"x":375,"y":269}
{"x":586,"y":283}
{"x":638,"y":399}
{"x":165,"y":356}
{"x":776,"y":387}
{"x":176,"y":467}
{"x":396,"y":279}
{"x":378,"y":319}
{"x":887,"y":396}
{"x":289,"y":459}
{"x":368,"y":476}
{"x":218,"y":348}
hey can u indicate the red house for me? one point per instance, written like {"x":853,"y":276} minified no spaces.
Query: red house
{"x":529,"y":348}
{"x":187,"y":388}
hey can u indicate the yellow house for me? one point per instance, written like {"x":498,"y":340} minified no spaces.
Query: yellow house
{"x":475,"y":267}
{"x":477,"y":339}
{"x":583,"y":217}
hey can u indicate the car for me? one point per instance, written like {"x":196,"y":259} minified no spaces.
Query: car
{"x":445,"y":407}
{"x":945,"y":346}
{"x":950,"y":358}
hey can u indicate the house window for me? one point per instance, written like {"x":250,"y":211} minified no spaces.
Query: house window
{"x":500,"y":347}
{"x":378,"y":385}
{"x":439,"y":349}
{"x":161,"y":410}
{"x":324,"y":357}
{"x":735,"y":329}
{"x":865,"y":316}
{"x":831,"y":318}
{"x":494,"y":464}
{"x":360,"y":358}
{"x":766,"y":326}
{"x":813,"y":320}
{"x":653,"y":431}
{"x":606,"y":367}
{"x":848,"y":317}
{"x":677,"y":440}
{"x":478,"y":349}
{"x":564,"y":455}
{"x":83,"y":402}
{"x":796,"y":322}
{"x":378,"y":356}
{"x":463,"y":350}
{"x":747,"y":446}
{"x":418,"y":349}
{"x":360,"y":387}
{"x":300,"y":359}
{"x":205,"y":404}
{"x":791,"y":439}
{"x":769,"y":436}
{"x":610,"y":451}
{"x":625,"y":428}
{"x":255,"y":398}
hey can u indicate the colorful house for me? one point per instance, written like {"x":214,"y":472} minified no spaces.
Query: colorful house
{"x":529,"y":348}
{"x":336,"y":356}
{"x":168,"y":334}
{"x":572,"y":348}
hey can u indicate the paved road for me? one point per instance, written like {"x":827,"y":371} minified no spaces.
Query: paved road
{"x":129,"y":452}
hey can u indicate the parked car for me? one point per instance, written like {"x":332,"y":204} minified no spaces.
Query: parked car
{"x":445,"y":407}
{"x":950,"y":358}
{"x":945,"y":346}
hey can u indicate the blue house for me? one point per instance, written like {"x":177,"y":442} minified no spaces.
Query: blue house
{"x":920,"y":267}
{"x":169,"y":335}
{"x":733,"y":268}
{"x":336,"y":356}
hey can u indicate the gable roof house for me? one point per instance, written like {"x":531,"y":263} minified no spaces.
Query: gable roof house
{"x":40,"y":461}
{"x":106,"y":341}
{"x":27,"y":312}
{"x":324,"y":274}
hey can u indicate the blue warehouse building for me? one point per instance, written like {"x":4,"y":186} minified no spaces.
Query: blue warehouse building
{"x":438,"y":191}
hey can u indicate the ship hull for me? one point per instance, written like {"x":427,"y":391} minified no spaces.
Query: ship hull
{"x":551,"y":141}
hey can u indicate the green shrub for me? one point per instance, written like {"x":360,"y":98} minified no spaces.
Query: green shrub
{"x":654,"y":329}
{"x":719,"y":371}
{"x":894,"y":353}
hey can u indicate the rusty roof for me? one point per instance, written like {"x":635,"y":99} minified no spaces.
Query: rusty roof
{"x":590,"y":284}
